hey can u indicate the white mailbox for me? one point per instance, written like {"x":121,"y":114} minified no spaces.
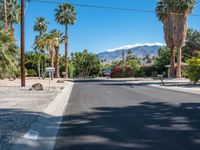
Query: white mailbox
{"x":51,"y":71}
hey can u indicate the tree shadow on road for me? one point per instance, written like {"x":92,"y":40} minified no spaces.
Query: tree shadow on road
{"x":146,"y":126}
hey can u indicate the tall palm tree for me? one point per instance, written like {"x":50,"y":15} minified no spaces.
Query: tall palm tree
{"x":14,"y":10}
{"x":164,"y":16}
{"x":184,"y":7}
{"x":66,"y":15}
{"x":173,"y":14}
{"x":60,"y":39}
{"x":40,"y":25}
{"x":39,"y":44}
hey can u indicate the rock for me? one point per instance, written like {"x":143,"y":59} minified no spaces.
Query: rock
{"x":37,"y":87}
{"x":60,"y":81}
{"x":11,"y":79}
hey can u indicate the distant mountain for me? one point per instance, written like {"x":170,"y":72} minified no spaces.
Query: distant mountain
{"x":138,"y":50}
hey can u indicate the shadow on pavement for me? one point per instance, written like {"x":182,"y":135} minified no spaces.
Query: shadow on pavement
{"x":146,"y":126}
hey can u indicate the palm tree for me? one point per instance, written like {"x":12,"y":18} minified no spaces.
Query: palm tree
{"x":174,"y":15}
{"x":39,"y":44}
{"x":48,"y":42}
{"x":8,"y":54}
{"x":164,"y":16}
{"x":65,"y":15}
{"x":13,"y":9}
{"x":60,"y":39}
{"x":40,"y":25}
{"x":184,"y":8}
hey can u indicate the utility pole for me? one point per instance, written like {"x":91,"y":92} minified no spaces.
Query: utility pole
{"x":123,"y":55}
{"x":22,"y":45}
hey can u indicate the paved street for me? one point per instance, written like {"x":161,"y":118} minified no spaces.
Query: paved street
{"x":113,"y":115}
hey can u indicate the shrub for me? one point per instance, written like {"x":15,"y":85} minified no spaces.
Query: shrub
{"x":70,"y":70}
{"x":193,"y":71}
{"x":122,"y":72}
{"x":31,"y":73}
{"x":149,"y":71}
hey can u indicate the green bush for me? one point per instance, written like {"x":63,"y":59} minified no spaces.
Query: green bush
{"x":193,"y":71}
{"x":31,"y":73}
{"x":149,"y":71}
{"x":70,"y":70}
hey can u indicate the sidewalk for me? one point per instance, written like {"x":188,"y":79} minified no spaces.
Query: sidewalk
{"x":20,"y":107}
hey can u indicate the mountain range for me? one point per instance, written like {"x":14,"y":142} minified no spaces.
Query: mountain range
{"x":139,"y":50}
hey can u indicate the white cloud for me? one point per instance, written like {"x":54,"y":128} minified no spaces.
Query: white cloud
{"x":134,"y":45}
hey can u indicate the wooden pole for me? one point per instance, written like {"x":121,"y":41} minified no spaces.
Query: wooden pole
{"x":22,"y":45}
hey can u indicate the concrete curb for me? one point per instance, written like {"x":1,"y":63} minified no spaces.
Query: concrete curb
{"x":57,"y":106}
{"x":158,"y":84}
{"x":42,"y":134}
{"x":176,"y":89}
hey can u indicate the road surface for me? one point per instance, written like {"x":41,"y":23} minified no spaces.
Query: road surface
{"x":116,"y":115}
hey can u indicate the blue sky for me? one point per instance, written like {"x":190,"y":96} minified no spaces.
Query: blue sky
{"x":100,"y":29}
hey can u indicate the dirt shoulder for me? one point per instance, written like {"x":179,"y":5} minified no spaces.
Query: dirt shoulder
{"x":20,"y":107}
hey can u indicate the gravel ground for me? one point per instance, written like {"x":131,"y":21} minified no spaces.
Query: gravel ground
{"x":20,"y":107}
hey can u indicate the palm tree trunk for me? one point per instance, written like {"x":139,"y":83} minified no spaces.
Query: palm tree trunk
{"x":66,"y":51}
{"x":12,"y":31}
{"x":39,"y":66}
{"x":57,"y":62}
{"x":172,"y":62}
{"x":39,"y":74}
{"x":52,"y":57}
{"x":179,"y":61}
{"x":4,"y":16}
{"x":42,"y":69}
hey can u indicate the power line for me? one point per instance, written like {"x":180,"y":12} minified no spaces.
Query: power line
{"x":110,"y":8}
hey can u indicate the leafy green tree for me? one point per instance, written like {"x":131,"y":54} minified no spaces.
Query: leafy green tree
{"x":134,"y":64}
{"x":66,"y":15}
{"x":192,"y":46}
{"x":86,"y":64}
{"x":162,"y":59}
{"x":130,"y":55}
{"x":34,"y":63}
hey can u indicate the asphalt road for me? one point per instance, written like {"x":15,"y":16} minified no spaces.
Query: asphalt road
{"x":111,"y":115}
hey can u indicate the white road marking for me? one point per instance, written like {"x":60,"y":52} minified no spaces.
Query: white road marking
{"x":31,"y":134}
